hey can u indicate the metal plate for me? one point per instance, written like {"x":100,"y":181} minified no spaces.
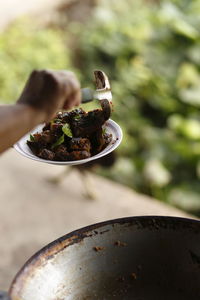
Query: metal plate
{"x":111,"y":127}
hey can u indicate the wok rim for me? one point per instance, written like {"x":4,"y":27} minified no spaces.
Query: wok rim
{"x":81,"y":233}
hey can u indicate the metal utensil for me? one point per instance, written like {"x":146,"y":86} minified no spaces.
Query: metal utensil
{"x":103,"y":89}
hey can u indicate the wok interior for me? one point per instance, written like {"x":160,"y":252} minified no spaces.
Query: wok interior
{"x":137,"y":258}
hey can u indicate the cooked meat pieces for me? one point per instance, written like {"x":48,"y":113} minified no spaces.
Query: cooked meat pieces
{"x":77,"y":155}
{"x":61,"y":153}
{"x":67,"y":117}
{"x":34,"y":146}
{"x":46,"y":127}
{"x":97,"y":141}
{"x":56,"y":128}
{"x":71,"y":135}
{"x":87,"y":123}
{"x":107,"y":138}
{"x":45,"y":137}
{"x":82,"y":144}
{"x":46,"y":154}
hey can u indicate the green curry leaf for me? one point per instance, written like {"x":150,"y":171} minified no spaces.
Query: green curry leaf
{"x":59,"y":141}
{"x":32,"y":139}
{"x":77,"y":117}
{"x":66,"y":130}
{"x":104,"y":131}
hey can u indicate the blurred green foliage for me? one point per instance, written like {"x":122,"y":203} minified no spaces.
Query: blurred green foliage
{"x":25,"y":46}
{"x":151,"y":52}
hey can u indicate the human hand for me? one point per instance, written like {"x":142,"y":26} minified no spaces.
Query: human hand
{"x":48,"y":91}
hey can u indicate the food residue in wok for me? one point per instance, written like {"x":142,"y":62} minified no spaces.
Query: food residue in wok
{"x":120,"y":244}
{"x":71,"y":136}
{"x":98,"y":248}
{"x":133,"y":275}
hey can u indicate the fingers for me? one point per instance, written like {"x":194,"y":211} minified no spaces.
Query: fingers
{"x":73,"y":99}
{"x":66,"y":83}
{"x":71,"y":87}
{"x":49,"y":91}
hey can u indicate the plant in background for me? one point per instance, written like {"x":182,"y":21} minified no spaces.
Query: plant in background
{"x":151,"y":53}
{"x":25,"y":46}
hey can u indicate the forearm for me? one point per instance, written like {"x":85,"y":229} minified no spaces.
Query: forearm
{"x":15,"y":121}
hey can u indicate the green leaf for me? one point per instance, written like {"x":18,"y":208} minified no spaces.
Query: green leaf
{"x":155,"y":173}
{"x":32,"y":139}
{"x":59,"y":141}
{"x":185,"y":29}
{"x":104,"y":130}
{"x":77,"y":117}
{"x":191,"y":95}
{"x":26,"y":36}
{"x":56,"y":120}
{"x":66,"y":130}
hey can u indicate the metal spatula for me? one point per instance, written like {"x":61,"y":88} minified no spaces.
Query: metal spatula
{"x":102,"y":92}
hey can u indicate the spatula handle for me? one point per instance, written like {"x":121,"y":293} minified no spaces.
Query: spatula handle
{"x":87,"y":95}
{"x":4,"y":296}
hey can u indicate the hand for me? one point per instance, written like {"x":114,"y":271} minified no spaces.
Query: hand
{"x":48,"y":91}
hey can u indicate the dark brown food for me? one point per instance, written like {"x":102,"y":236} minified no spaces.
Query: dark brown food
{"x":87,"y":123}
{"x":133,"y":275}
{"x":76,"y":144}
{"x":73,"y":135}
{"x":46,"y":154}
{"x":98,"y":248}
{"x":77,"y":155}
{"x":120,"y":244}
{"x":61,"y":153}
{"x":121,"y":279}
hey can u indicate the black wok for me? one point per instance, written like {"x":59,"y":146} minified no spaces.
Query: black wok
{"x":139,"y":258}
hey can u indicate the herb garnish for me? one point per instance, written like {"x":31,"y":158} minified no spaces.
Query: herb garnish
{"x":59,"y":141}
{"x":77,"y":117}
{"x":66,"y":130}
{"x":32,"y":139}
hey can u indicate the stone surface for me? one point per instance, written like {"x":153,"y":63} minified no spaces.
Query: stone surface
{"x":34,"y":212}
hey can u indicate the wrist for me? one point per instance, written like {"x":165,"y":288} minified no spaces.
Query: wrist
{"x":34,"y":115}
